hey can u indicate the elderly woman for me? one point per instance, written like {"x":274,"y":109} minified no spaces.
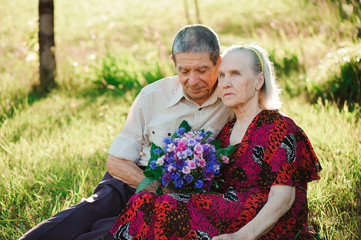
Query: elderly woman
{"x":265,"y":190}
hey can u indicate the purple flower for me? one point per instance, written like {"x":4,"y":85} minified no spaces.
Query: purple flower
{"x":188,"y":178}
{"x":199,"y":184}
{"x":210,"y":139}
{"x":208,"y":174}
{"x":167,"y":177}
{"x":187,"y":152}
{"x":191,"y":142}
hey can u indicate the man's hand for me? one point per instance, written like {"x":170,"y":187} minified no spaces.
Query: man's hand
{"x":128,"y":172}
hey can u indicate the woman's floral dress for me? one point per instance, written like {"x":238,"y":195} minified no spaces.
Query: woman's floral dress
{"x":274,"y":151}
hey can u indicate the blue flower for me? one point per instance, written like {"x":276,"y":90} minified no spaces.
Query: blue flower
{"x":167,"y":140}
{"x":188,"y":178}
{"x":180,"y":131}
{"x":178,"y":183}
{"x":188,"y":152}
{"x":175,"y":176}
{"x":153,"y":164}
{"x":199,"y":184}
{"x":157,"y":151}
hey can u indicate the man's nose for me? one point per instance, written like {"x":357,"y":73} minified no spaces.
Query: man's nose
{"x":193,"y":79}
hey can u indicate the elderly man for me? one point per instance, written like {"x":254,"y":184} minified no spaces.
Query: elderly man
{"x":155,"y":114}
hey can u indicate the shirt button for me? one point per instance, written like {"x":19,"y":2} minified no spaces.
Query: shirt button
{"x":153,"y":132}
{"x":169,"y":134}
{"x":199,"y":109}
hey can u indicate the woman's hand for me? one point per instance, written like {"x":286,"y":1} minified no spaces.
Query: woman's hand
{"x":240,"y":235}
{"x":224,"y":237}
{"x":280,"y":200}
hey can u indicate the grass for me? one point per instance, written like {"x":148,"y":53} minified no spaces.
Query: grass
{"x":53,"y":148}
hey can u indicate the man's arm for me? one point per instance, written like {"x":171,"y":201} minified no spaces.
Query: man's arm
{"x":128,"y":172}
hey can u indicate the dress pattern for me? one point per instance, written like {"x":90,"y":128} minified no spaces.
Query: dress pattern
{"x":273,"y":151}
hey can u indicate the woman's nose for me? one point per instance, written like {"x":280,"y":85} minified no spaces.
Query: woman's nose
{"x":224,"y":82}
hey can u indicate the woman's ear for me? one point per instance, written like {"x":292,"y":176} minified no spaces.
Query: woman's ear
{"x":260,"y":81}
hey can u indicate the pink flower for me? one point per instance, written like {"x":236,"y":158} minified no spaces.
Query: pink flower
{"x":171,"y":147}
{"x":202,"y":162}
{"x":216,"y":167}
{"x":182,"y":145}
{"x":160,"y":161}
{"x":170,"y":168}
{"x":186,"y":170}
{"x":191,"y":164}
{"x":225,"y":159}
{"x":198,"y":138}
{"x":189,"y":134}
{"x":198,"y":148}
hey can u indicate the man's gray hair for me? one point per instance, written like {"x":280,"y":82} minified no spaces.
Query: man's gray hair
{"x":197,"y":38}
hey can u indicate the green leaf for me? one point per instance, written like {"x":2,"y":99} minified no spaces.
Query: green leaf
{"x":159,"y":191}
{"x":216,"y":143}
{"x":154,"y":156}
{"x":144,"y":183}
{"x":148,"y":172}
{"x":225,"y":151}
{"x":185,"y":125}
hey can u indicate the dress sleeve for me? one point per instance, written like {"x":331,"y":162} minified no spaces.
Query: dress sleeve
{"x":295,"y":160}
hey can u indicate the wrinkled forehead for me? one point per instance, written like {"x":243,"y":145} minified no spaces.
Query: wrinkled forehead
{"x":193,"y":58}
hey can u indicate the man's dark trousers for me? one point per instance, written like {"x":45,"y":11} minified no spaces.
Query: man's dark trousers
{"x":90,"y":219}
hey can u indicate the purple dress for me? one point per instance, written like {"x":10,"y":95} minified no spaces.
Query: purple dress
{"x":273,"y":151}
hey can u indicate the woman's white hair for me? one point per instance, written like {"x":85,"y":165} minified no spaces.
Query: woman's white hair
{"x":269,"y":93}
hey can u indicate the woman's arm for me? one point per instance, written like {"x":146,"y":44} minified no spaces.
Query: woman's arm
{"x":280,"y":200}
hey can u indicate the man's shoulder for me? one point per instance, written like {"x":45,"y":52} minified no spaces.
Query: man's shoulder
{"x":167,"y":83}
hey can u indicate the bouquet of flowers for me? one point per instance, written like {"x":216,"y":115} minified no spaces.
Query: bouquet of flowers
{"x":189,"y":163}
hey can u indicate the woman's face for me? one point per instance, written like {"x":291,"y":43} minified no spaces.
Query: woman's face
{"x":237,"y":81}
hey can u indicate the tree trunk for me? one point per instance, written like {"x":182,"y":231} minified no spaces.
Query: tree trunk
{"x":46,"y":45}
{"x":197,"y":11}
{"x":186,"y":11}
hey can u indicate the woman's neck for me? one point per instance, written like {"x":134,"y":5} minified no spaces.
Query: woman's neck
{"x":245,"y":114}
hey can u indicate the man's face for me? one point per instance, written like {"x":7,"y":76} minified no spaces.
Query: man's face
{"x":197,"y":74}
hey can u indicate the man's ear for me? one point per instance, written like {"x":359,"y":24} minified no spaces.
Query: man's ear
{"x":260,"y":81}
{"x":219,"y":60}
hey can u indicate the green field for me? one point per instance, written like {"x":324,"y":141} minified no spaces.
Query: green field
{"x":53,"y":148}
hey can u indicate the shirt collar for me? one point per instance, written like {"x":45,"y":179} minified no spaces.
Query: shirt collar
{"x":178,"y":95}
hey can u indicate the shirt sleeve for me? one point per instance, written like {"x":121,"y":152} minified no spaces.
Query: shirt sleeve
{"x":295,"y":159}
{"x":128,"y":144}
